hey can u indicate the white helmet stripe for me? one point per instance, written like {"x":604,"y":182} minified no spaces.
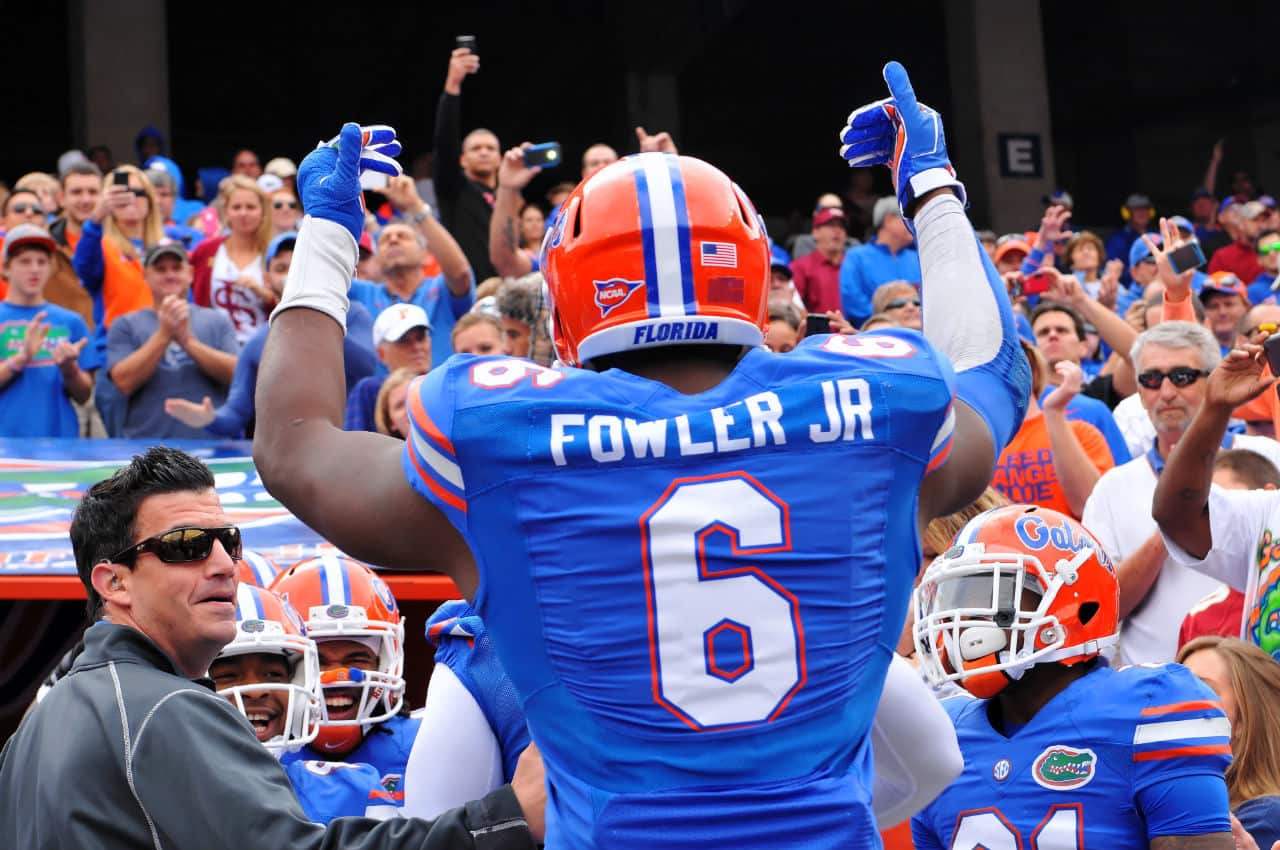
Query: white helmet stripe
{"x":248,"y":606}
{"x":335,"y":581}
{"x":665,"y":225}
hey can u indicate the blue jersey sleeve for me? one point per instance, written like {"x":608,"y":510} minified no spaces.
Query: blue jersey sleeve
{"x":463,"y":645}
{"x":430,"y":460}
{"x":1180,"y":731}
{"x":330,"y":789}
{"x":1185,"y":805}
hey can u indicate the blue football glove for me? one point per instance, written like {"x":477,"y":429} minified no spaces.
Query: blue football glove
{"x":378,"y":149}
{"x":905,"y":135}
{"x":329,"y":177}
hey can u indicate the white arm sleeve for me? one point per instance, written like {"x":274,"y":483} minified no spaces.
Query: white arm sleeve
{"x":456,"y":757}
{"x":915,"y":747}
{"x":961,"y":316}
{"x":324,"y":260}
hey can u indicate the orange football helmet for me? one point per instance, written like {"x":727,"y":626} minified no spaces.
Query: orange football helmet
{"x":265,"y":623}
{"x":343,"y":599}
{"x":257,"y":570}
{"x":655,"y":250}
{"x":1021,"y":585}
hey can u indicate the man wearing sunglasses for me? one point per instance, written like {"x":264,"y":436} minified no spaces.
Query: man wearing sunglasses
{"x":1172,"y":360}
{"x":135,"y":742}
{"x":1261,"y":291}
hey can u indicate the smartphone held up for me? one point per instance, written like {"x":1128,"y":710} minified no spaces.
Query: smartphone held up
{"x":545,"y":155}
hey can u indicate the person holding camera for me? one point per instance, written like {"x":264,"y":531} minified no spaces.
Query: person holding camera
{"x":506,"y":250}
{"x":170,"y":763}
{"x":402,"y":250}
{"x":466,"y":168}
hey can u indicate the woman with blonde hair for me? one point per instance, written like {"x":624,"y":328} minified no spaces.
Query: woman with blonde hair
{"x":391,"y":410}
{"x":1247,"y":681}
{"x":228,"y":269}
{"x":108,"y":258}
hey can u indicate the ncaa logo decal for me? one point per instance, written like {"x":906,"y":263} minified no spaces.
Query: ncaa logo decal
{"x":384,"y":593}
{"x":1063,"y":768}
{"x":1001,"y":769}
{"x":613,"y":293}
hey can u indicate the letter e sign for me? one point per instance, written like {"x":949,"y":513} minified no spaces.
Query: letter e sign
{"x":1020,"y":155}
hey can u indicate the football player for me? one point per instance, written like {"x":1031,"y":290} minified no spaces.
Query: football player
{"x":696,"y":612}
{"x":352,"y":616}
{"x":1060,"y":750}
{"x":270,"y":673}
{"x":472,"y":728}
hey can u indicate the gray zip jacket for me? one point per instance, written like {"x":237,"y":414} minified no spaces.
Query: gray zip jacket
{"x":127,"y":753}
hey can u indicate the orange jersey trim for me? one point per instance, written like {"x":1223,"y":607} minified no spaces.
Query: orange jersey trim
{"x":1175,"y":707}
{"x":1179,"y":752}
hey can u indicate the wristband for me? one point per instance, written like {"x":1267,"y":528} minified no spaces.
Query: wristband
{"x":422,"y":216}
{"x":324,"y":260}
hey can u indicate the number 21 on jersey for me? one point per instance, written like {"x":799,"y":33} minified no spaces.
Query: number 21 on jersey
{"x":726,"y":644}
{"x":1061,"y":829}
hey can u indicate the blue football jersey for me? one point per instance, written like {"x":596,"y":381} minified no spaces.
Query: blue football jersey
{"x":696,"y":596}
{"x":463,"y":645}
{"x":1076,"y":776}
{"x":335,"y":789}
{"x":385,"y":747}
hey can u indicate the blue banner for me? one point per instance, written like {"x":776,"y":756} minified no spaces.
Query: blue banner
{"x":42,"y":480}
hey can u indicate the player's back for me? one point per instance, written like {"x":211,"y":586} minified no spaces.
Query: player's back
{"x":695,"y":595}
{"x":1076,"y":775}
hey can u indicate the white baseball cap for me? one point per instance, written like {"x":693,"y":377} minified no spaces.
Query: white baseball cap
{"x":397,"y":320}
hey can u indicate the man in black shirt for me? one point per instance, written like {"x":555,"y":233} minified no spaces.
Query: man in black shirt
{"x":466,"y":168}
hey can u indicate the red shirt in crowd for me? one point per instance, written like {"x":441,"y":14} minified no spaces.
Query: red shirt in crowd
{"x":817,"y":279}
{"x":1240,"y":258}
{"x":1219,"y":613}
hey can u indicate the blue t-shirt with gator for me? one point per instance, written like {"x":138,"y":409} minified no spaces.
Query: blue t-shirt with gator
{"x":35,"y":402}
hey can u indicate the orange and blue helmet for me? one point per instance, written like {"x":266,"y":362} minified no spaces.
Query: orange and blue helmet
{"x":256,"y":569}
{"x":655,"y":250}
{"x":1021,"y":585}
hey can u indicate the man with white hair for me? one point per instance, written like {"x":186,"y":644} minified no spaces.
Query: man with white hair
{"x":890,"y":256}
{"x":1171,"y":360}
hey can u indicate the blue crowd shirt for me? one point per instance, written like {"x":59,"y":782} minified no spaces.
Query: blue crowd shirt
{"x":869,"y":266}
{"x":35,"y":402}
{"x":442,"y":307}
{"x":358,"y":360}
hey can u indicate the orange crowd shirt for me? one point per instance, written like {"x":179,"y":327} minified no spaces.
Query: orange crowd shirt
{"x":1025,"y":473}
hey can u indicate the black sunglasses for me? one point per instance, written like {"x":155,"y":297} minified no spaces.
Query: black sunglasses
{"x":293,"y":205}
{"x":185,"y":545}
{"x":1179,"y":376}
{"x":899,"y":303}
{"x":25,"y":208}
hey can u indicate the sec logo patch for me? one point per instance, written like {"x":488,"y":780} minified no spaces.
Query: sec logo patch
{"x":1001,"y":769}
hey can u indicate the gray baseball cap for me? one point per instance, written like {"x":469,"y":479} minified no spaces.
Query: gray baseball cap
{"x":28,"y":234}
